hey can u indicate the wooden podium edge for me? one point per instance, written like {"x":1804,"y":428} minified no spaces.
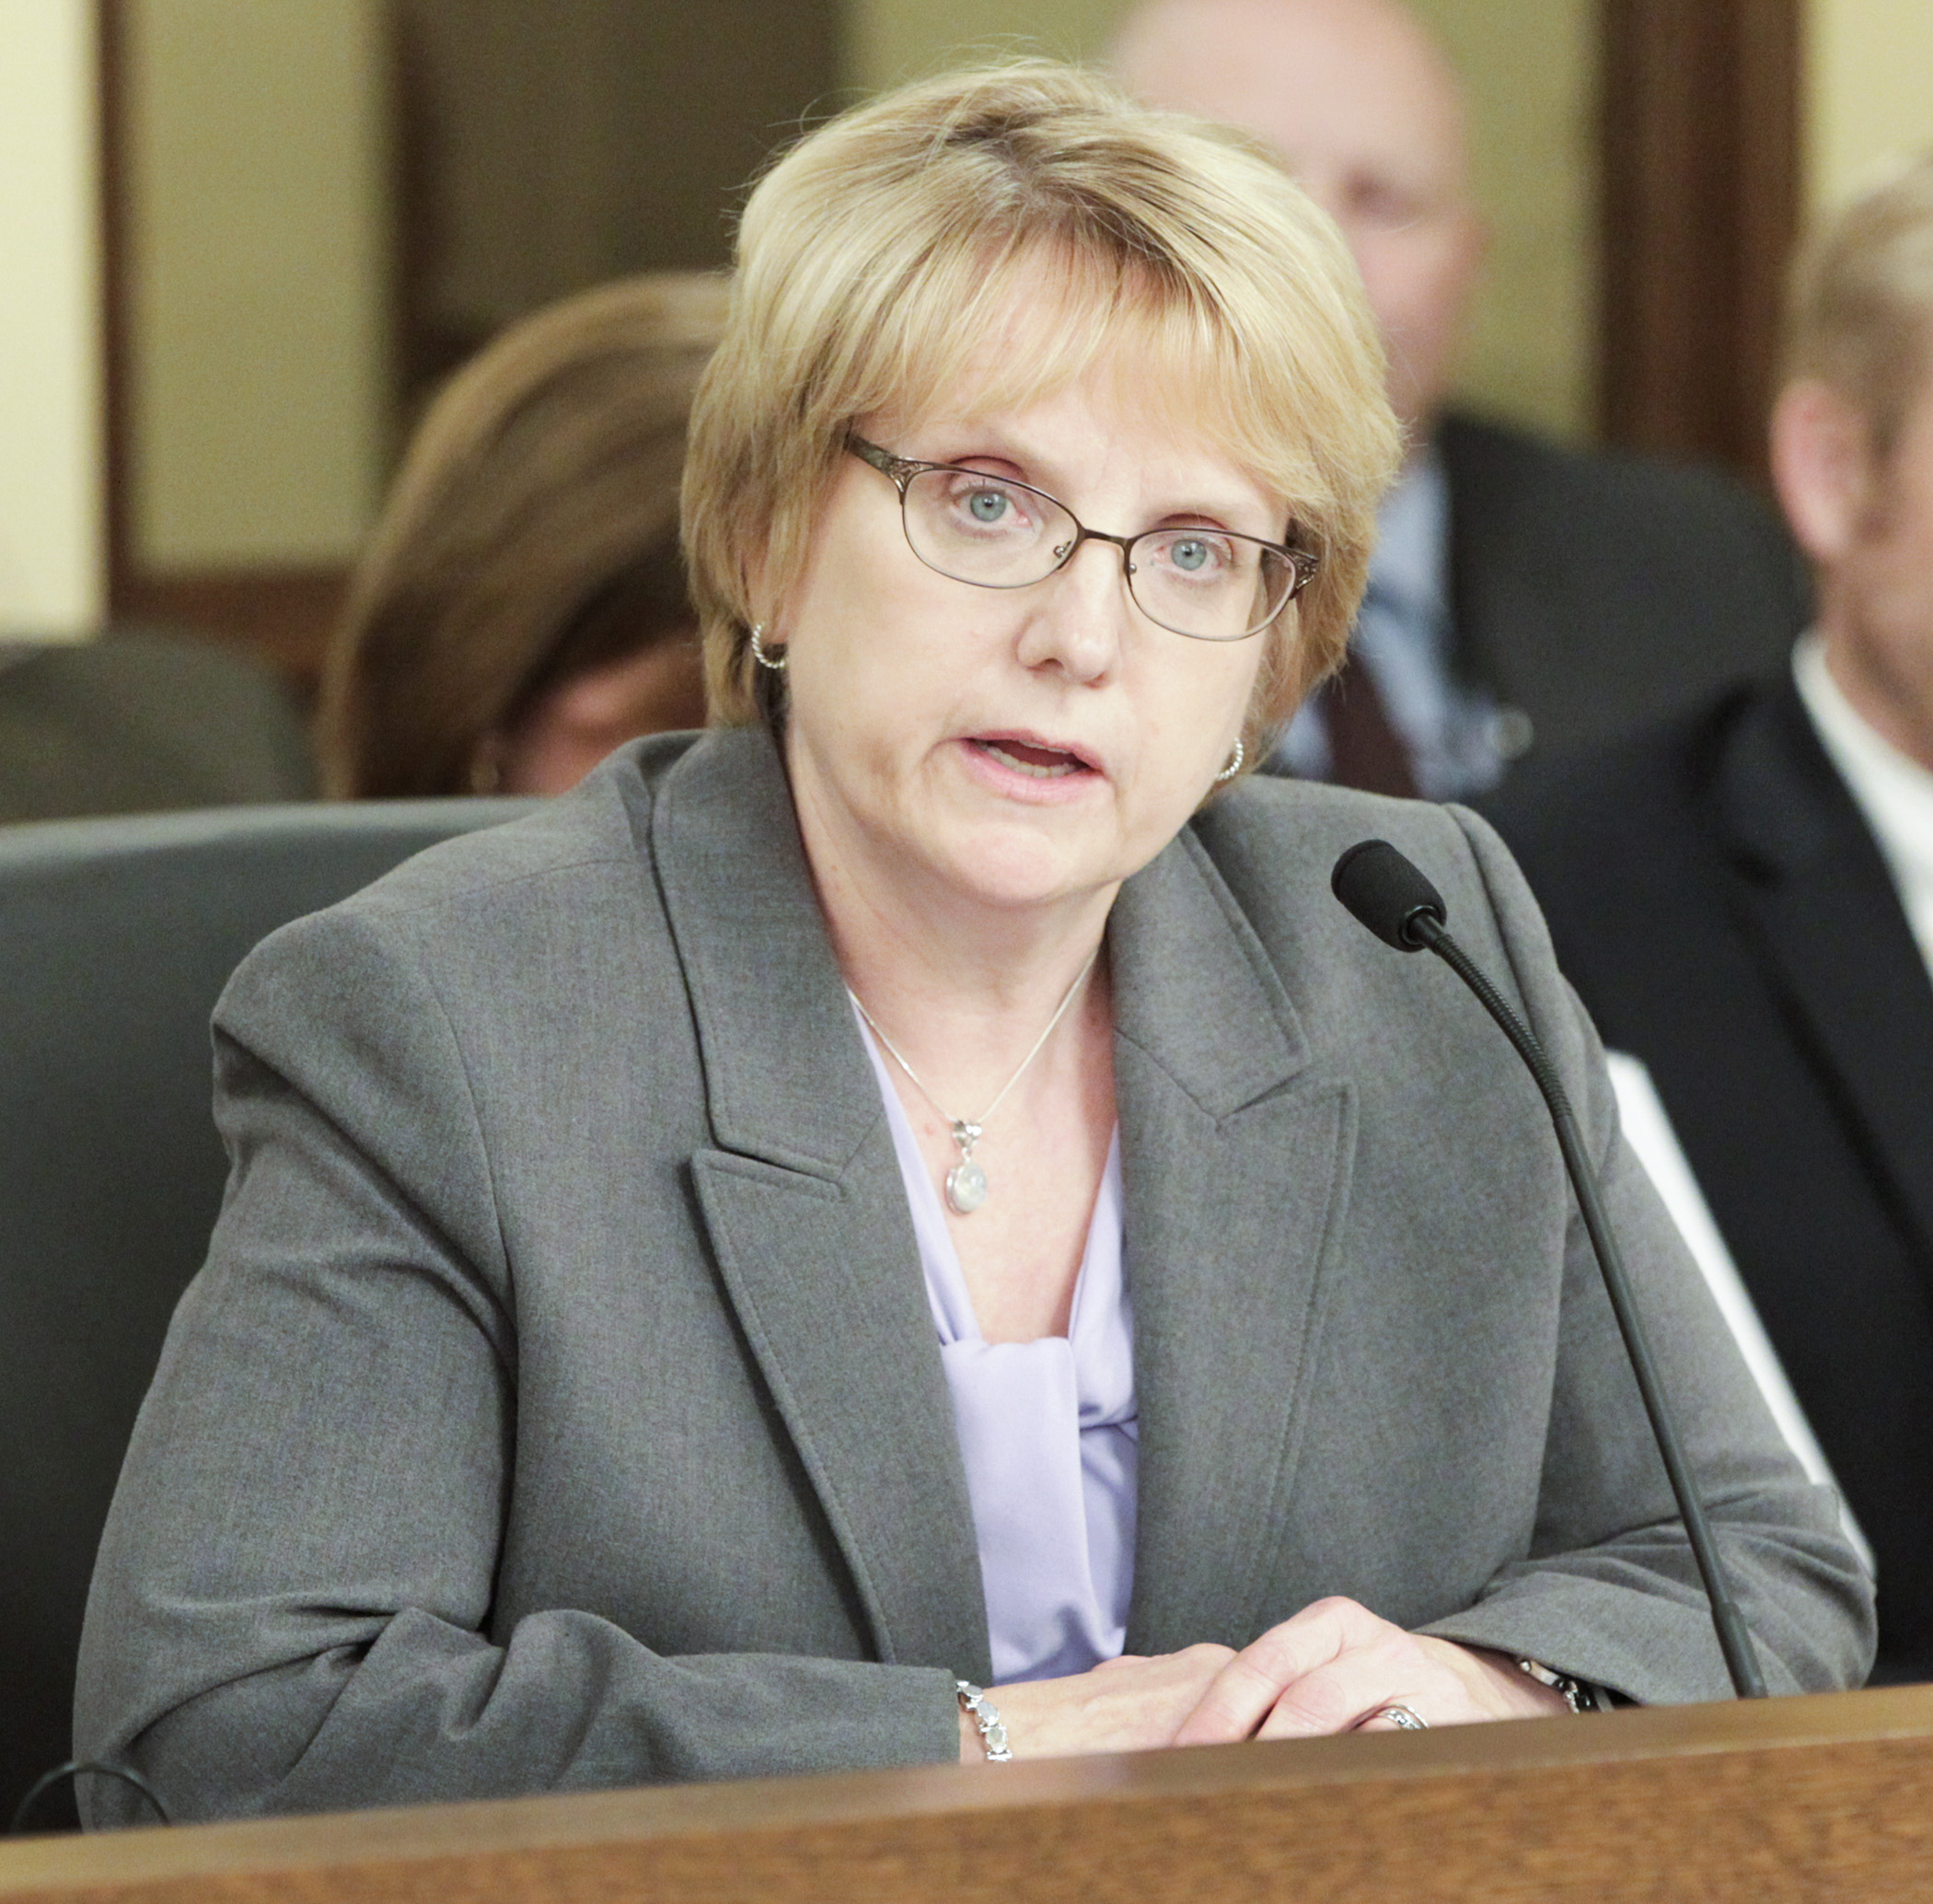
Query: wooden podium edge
{"x":1818,"y":1797}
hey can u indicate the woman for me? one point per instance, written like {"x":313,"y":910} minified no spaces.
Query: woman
{"x":522,"y":608}
{"x":898,"y":1196}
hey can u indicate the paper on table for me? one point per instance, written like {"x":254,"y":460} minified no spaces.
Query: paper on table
{"x":1648,"y":1131}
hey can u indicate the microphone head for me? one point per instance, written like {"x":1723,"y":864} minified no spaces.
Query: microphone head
{"x":1386,"y":893}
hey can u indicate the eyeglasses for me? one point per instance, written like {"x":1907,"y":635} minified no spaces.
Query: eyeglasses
{"x":1211,"y":585}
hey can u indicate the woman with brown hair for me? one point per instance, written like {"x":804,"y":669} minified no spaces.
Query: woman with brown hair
{"x":521,"y":610}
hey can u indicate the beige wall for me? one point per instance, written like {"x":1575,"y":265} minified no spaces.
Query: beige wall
{"x":258,"y":270}
{"x":889,"y":40}
{"x":1530,"y":66}
{"x":52,"y":558}
{"x":1869,"y":89}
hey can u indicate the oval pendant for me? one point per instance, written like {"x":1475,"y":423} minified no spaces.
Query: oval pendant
{"x":967,"y":1187}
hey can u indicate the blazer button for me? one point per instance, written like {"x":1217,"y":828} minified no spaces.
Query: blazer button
{"x":1513,"y":732}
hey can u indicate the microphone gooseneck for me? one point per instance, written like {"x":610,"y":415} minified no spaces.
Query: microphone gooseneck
{"x":1387,"y":894}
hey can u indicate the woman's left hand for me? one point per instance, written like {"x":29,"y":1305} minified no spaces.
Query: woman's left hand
{"x":1336,"y":1667}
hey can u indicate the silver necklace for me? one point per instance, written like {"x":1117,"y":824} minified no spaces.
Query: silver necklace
{"x":966,"y":1182}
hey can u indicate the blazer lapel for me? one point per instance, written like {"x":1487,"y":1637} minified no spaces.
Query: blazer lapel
{"x":804,"y":1207}
{"x":1506,"y":631}
{"x":1236,"y":1167}
{"x":1819,"y":903}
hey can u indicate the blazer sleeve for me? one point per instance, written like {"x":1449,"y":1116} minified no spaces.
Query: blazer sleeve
{"x":293,"y":1604}
{"x":1610,"y":1590}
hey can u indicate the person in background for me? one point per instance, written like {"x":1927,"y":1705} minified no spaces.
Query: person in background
{"x":521,"y":610}
{"x":1745,"y":897}
{"x":1523,"y":598}
{"x":139,"y":721}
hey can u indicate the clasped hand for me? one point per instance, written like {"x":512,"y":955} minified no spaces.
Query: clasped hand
{"x":1334,"y":1667}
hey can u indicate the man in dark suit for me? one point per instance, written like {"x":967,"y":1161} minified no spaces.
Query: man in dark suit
{"x":1525,"y":598}
{"x":1744,"y":899}
{"x":134,"y":722}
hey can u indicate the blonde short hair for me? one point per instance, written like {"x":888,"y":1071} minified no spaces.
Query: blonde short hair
{"x":877,"y":256}
{"x":530,"y":536}
{"x":1860,"y":316}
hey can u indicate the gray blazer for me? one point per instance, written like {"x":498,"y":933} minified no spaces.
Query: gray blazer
{"x":140,"y":719}
{"x":560,"y":1407}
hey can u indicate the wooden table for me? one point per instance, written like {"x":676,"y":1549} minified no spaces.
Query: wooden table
{"x":1819,"y":1798}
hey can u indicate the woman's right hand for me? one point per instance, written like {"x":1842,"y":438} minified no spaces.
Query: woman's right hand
{"x":1130,"y":1704}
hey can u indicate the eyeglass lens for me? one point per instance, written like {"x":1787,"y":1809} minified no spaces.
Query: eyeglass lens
{"x":1204,"y":583}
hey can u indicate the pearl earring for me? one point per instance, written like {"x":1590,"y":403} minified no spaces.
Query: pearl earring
{"x":1234,"y":766}
{"x":775,"y":661}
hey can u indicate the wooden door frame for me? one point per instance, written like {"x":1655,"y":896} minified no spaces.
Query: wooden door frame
{"x":1700,"y":138}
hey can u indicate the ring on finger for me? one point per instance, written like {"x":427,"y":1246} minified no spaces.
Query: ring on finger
{"x":1404,"y":1718}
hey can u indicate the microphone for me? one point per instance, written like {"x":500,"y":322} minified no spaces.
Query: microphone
{"x":1387,"y":894}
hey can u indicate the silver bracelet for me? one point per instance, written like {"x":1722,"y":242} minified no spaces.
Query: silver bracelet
{"x":1575,"y":1695}
{"x":975,"y":1703}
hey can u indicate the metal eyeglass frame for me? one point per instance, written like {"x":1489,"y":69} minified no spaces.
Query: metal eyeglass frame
{"x":900,"y":470}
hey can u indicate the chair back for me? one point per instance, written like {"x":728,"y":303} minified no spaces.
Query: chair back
{"x":116,"y":938}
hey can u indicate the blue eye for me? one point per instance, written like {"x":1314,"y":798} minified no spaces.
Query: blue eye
{"x":986,"y":505}
{"x":1191,"y":556}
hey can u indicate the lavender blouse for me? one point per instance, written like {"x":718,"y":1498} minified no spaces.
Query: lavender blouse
{"x":1048,"y":1433}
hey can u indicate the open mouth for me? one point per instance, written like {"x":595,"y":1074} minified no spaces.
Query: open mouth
{"x":1035,"y":762}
